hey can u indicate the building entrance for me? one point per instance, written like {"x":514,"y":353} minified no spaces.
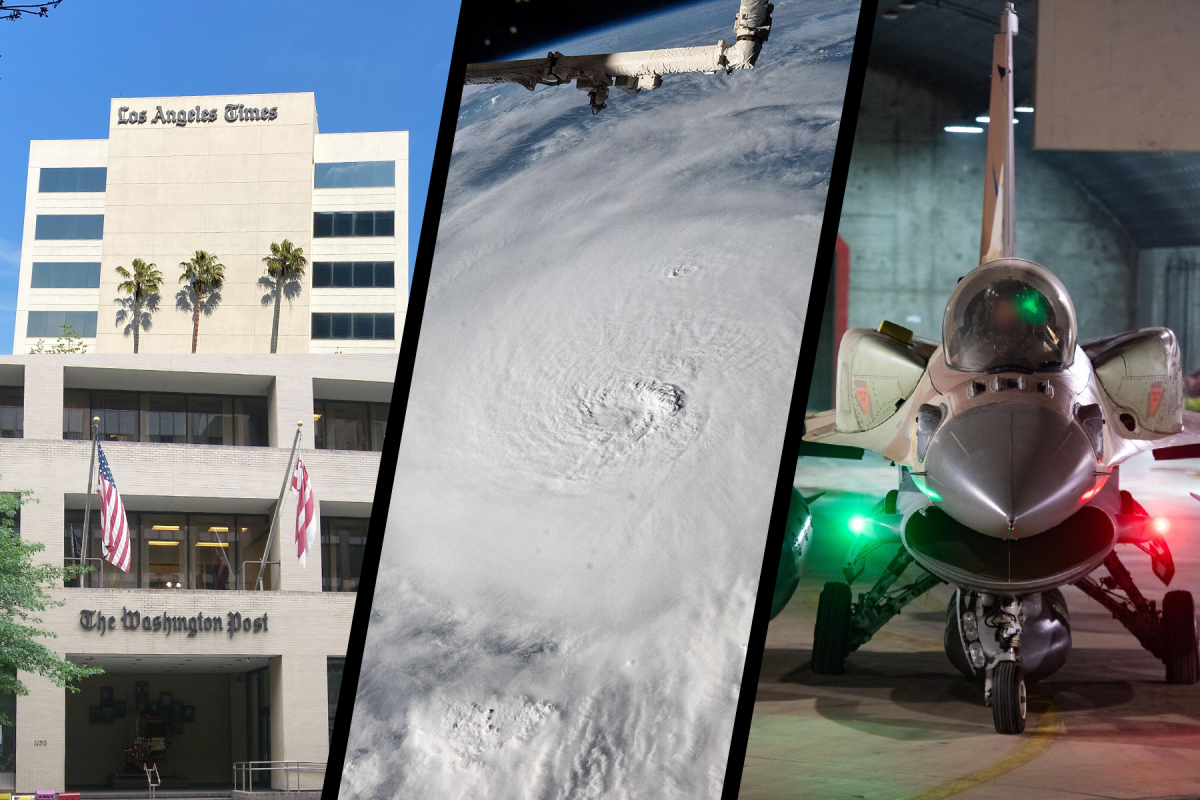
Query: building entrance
{"x":193,"y":716}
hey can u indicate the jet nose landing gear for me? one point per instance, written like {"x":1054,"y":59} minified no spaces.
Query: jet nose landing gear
{"x":1008,"y":697}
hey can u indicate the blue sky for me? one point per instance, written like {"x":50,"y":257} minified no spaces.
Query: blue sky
{"x":373,"y":66}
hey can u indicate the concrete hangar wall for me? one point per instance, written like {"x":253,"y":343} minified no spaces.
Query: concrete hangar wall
{"x":912,"y":211}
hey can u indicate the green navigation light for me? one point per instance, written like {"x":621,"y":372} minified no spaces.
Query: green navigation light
{"x":1032,"y":306}
{"x":858,"y":524}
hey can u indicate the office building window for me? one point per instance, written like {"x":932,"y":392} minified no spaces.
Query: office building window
{"x":174,"y":551}
{"x":54,"y":323}
{"x":354,"y":274}
{"x":354,"y":326}
{"x":161,"y":417}
{"x":341,"y":425}
{"x":65,"y":275}
{"x":12,"y":412}
{"x":334,"y":667}
{"x":354,"y":174}
{"x":72,"y":179}
{"x":342,"y":544}
{"x":339,"y":224}
{"x":69,"y":226}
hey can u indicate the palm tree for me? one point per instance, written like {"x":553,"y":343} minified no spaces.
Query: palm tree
{"x":286,"y":263}
{"x":144,"y":281}
{"x":201,"y":274}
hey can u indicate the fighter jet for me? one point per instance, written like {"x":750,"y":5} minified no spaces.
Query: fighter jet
{"x":1008,"y":436}
{"x":637,"y":71}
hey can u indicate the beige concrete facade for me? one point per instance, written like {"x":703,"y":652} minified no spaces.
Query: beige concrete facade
{"x":231,"y":187}
{"x":306,"y":625}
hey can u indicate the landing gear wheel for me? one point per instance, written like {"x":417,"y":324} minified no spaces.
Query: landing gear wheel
{"x":1008,"y":697}
{"x":831,"y":639}
{"x":1179,"y":635}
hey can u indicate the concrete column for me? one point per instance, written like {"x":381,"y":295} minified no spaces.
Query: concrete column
{"x":41,"y":736}
{"x":300,"y":713}
{"x":44,"y":397}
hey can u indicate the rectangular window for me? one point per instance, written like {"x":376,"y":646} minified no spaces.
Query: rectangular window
{"x":334,"y":667}
{"x":385,"y":326}
{"x":103,"y":573}
{"x":322,"y":224}
{"x":65,"y":275}
{"x":354,"y":174}
{"x":168,"y":418}
{"x":343,"y":542}
{"x":53,"y":323}
{"x":322,"y":274}
{"x":364,"y":273}
{"x":385,"y":273}
{"x":173,"y":551}
{"x":12,"y":412}
{"x":344,"y":224}
{"x":321,"y":326}
{"x":385,"y":223}
{"x":364,"y":223}
{"x":344,"y":425}
{"x":363,"y":326}
{"x":118,"y":413}
{"x":354,"y":326}
{"x":72,"y":179}
{"x":341,"y":326}
{"x":69,"y":226}
{"x":359,"y":274}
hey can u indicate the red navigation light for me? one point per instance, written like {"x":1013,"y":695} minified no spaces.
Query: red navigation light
{"x":1161,"y":524}
{"x":1095,"y":490}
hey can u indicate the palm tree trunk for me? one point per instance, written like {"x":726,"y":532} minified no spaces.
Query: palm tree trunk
{"x":137,"y":318}
{"x":278,"y":299}
{"x":196,"y":318}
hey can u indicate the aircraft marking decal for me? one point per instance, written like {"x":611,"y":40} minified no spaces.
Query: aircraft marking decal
{"x":1155,"y":399}
{"x":863,"y":394}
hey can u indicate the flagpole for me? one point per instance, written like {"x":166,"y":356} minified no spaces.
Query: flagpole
{"x":278,"y":508}
{"x":87,"y":508}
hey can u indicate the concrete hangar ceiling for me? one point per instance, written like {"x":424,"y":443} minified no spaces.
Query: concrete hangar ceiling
{"x":946,"y":45}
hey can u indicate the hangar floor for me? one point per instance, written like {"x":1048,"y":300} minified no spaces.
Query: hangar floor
{"x":903,"y":723}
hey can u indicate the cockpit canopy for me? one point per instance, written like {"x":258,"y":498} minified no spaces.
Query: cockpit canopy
{"x":1009,"y":314}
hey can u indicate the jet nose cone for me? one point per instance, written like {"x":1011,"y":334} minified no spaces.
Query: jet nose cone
{"x":1010,"y":469}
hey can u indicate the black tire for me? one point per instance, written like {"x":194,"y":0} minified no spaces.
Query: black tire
{"x":831,"y":639}
{"x":1008,"y":698}
{"x":1182,"y":656}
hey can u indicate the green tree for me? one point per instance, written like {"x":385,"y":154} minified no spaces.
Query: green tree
{"x":142,"y":283}
{"x":203,"y":274}
{"x":23,"y":598}
{"x":69,"y":342}
{"x":285,"y":264}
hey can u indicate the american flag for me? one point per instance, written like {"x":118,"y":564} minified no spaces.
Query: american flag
{"x":306,"y":511}
{"x":113,"y":524}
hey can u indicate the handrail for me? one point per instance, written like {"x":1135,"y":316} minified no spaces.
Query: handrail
{"x":243,"y":772}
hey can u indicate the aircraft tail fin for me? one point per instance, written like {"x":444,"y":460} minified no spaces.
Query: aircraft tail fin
{"x":999,"y":239}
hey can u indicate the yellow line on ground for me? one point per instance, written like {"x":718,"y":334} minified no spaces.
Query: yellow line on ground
{"x":1049,"y":727}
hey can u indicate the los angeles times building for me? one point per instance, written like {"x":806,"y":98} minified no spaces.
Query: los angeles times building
{"x":194,"y":649}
